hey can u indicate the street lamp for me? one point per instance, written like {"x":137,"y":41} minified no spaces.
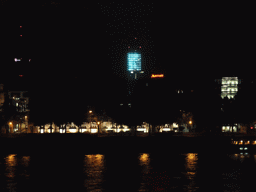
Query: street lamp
{"x":90,"y":121}
{"x":10,"y":124}
{"x":98,"y":127}
{"x":26,"y":124}
{"x":190,"y":122}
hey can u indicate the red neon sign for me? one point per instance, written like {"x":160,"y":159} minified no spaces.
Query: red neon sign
{"x":157,"y":75}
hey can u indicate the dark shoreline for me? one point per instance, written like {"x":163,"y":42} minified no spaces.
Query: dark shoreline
{"x":88,"y":144}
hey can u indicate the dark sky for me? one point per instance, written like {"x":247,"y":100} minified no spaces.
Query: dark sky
{"x":78,"y":48}
{"x":90,"y":40}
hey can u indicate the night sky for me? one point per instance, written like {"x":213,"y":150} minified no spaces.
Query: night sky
{"x":81,"y":47}
{"x":72,"y":38}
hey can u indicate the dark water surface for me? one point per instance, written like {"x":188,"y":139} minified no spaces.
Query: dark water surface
{"x":128,"y":172}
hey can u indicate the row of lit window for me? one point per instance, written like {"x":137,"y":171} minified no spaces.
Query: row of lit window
{"x":242,"y":142}
{"x":229,"y":83}
{"x":229,"y":95}
{"x":229,"y":90}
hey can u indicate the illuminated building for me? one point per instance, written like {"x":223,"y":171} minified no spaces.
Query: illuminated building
{"x":19,"y":101}
{"x":20,"y":122}
{"x":134,"y":63}
{"x":229,"y":87}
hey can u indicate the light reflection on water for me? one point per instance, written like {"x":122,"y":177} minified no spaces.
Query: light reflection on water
{"x":14,"y":169}
{"x":144,"y":162}
{"x":156,"y":172}
{"x":11,"y":162}
{"x":191,"y":167}
{"x":94,"y":166}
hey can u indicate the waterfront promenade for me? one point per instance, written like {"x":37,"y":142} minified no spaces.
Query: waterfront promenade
{"x":86,"y":143}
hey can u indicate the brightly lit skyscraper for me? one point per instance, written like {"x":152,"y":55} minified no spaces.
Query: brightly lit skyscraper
{"x":134,"y":61}
{"x":229,"y":87}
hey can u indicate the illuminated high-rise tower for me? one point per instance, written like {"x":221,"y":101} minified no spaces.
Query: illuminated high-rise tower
{"x":229,"y":87}
{"x":134,"y":63}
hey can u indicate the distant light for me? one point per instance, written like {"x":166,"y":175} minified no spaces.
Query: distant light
{"x":140,"y":46}
{"x":20,"y":26}
{"x":157,"y":75}
{"x":21,"y":35}
{"x":21,"y":75}
{"x":29,"y":60}
{"x":15,"y":59}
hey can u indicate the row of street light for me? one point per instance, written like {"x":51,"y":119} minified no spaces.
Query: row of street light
{"x":90,"y":112}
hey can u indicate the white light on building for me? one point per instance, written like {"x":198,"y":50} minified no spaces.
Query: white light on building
{"x":72,"y":130}
{"x":142,"y":129}
{"x":94,"y":130}
{"x":165,"y":129}
{"x":229,"y":87}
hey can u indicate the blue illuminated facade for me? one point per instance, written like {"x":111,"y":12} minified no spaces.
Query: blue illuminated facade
{"x":134,"y":61}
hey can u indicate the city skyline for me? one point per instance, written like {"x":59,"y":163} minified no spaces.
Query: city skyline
{"x":73,"y":60}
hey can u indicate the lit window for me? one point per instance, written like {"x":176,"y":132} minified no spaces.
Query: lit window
{"x":17,"y":104}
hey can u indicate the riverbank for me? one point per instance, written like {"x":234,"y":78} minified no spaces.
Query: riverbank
{"x":84,"y":143}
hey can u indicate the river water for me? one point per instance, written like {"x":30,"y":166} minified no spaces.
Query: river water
{"x":128,"y":172}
